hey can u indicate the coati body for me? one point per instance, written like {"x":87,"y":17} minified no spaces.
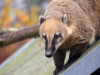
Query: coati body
{"x":68,"y":25}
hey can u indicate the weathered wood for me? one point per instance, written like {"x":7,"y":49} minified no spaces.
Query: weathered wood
{"x":32,"y":61}
{"x":87,"y":64}
{"x":12,"y":37}
{"x":29,"y":60}
{"x":6,"y":30}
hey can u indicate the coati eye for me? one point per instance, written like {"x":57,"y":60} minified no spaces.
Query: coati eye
{"x":56,"y":35}
{"x":44,"y":38}
{"x":43,"y":35}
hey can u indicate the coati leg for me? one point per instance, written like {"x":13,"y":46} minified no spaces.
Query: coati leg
{"x":97,"y":38}
{"x":59,"y":58}
{"x":75,"y":52}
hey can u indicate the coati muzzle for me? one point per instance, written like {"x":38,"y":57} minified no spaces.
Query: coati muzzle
{"x":51,"y":44}
{"x":49,"y":51}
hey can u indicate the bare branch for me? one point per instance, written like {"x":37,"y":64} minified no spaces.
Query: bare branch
{"x":6,"y":30}
{"x":12,"y":37}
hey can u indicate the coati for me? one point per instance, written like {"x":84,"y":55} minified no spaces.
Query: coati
{"x":67,"y":25}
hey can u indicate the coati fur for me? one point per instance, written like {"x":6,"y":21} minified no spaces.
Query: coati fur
{"x":69,"y":25}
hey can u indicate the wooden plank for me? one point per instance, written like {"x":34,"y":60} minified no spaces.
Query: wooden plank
{"x":87,"y":64}
{"x":32,"y":61}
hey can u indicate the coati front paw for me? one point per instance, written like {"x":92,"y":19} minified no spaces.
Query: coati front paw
{"x":56,"y":71}
{"x":67,"y":65}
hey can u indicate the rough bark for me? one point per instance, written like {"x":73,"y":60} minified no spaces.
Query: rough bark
{"x":12,"y":37}
{"x":6,"y":30}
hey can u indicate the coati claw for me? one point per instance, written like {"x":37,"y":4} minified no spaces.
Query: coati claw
{"x":56,"y":71}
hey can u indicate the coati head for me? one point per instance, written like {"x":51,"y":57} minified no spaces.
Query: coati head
{"x":54,"y":32}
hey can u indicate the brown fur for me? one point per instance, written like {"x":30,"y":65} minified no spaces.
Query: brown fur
{"x":83,"y":16}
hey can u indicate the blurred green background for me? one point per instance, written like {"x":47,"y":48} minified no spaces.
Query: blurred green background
{"x":19,"y":13}
{"x":16,"y":14}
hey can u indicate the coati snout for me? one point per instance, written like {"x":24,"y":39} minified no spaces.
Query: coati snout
{"x":51,"y":44}
{"x":49,"y":51}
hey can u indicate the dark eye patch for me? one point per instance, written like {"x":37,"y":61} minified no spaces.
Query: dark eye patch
{"x":57,"y":35}
{"x":55,"y":38}
{"x":45,"y":38}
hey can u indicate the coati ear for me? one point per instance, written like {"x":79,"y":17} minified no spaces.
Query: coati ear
{"x":65,"y":20}
{"x":41,"y":19}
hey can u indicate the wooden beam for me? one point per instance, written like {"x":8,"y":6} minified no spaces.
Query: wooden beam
{"x":87,"y":64}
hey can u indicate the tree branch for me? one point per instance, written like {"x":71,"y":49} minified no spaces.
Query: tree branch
{"x":6,"y":30}
{"x":12,"y":37}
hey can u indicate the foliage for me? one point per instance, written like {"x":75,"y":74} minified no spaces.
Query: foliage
{"x":14,"y":17}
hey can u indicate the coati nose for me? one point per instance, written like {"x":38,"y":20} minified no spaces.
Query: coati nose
{"x":48,"y":53}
